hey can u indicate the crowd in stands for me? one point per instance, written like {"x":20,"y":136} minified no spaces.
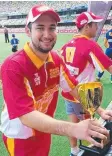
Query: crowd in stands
{"x":13,"y":22}
{"x":22,"y":7}
{"x":23,"y":20}
{"x":16,"y":7}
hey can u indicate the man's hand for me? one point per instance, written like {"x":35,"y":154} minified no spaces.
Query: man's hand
{"x":105,"y":114}
{"x":87,"y":129}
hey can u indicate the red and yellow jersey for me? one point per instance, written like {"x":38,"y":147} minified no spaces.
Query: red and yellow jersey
{"x":31,"y":84}
{"x":82,"y":56}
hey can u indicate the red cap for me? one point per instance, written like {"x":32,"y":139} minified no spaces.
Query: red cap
{"x":38,"y":10}
{"x":87,"y":17}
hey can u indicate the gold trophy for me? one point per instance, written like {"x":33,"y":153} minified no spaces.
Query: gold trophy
{"x":90,"y":95}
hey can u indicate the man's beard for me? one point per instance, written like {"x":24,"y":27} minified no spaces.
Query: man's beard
{"x":40,"y":49}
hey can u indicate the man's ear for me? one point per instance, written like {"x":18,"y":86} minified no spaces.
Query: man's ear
{"x":86,"y":27}
{"x":28,"y":31}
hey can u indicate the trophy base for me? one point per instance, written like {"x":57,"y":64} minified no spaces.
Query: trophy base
{"x":95,"y":151}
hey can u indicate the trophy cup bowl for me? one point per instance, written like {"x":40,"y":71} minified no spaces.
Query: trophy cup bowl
{"x":90,"y":96}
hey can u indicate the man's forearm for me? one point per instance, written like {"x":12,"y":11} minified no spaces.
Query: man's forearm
{"x":46,"y":124}
{"x":82,"y":130}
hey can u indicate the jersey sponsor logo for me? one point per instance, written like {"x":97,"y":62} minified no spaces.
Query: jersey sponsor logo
{"x":37,"y":79}
{"x":54,"y":72}
{"x":73,"y":70}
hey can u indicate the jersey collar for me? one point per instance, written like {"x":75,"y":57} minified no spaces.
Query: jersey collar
{"x":81,"y":36}
{"x":34,"y":58}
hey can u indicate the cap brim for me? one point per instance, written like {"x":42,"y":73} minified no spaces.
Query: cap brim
{"x":50,"y":12}
{"x":98,"y":20}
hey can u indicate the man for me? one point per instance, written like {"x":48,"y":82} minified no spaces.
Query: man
{"x":14,"y":43}
{"x":108,"y":52}
{"x":30,"y":80}
{"x":6,"y":35}
{"x":82,"y":55}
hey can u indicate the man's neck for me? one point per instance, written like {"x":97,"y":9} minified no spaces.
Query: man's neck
{"x":84,"y":34}
{"x":42,"y":56}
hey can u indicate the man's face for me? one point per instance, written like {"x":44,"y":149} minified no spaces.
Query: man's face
{"x":92,"y":29}
{"x":43,"y":33}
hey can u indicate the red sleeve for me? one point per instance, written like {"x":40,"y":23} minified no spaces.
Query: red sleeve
{"x":15,"y":93}
{"x":99,"y":59}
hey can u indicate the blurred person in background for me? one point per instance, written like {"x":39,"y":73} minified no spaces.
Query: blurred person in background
{"x":82,"y":56}
{"x":14,"y":42}
{"x":6,"y":34}
{"x":108,"y":52}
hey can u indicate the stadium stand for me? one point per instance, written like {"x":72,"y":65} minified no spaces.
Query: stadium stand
{"x":24,"y":6}
{"x":15,"y":12}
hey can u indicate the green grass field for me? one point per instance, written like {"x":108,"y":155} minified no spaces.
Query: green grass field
{"x":60,"y":145}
